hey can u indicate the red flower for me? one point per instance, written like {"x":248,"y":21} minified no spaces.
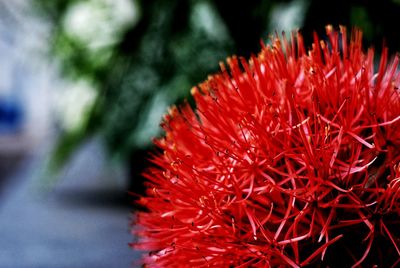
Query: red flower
{"x":288,"y":159}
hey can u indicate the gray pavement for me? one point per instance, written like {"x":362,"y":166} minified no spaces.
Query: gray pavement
{"x":79,"y":223}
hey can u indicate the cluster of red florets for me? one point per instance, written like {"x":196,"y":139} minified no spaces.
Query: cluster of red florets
{"x":288,"y":159}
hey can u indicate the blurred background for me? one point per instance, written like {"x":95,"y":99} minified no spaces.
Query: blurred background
{"x":83,"y":87}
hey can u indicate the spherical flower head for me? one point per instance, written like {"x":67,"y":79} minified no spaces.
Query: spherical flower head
{"x":289,"y":159}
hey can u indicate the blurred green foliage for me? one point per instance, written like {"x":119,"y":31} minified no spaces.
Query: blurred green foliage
{"x":148,"y":61}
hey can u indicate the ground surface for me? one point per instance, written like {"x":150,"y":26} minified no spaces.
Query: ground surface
{"x":81,"y":222}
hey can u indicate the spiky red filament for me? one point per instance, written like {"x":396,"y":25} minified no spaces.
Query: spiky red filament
{"x":289,"y":159}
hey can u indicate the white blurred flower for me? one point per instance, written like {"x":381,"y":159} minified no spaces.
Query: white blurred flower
{"x":99,"y":23}
{"x":74,"y":102}
{"x":288,"y":16}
